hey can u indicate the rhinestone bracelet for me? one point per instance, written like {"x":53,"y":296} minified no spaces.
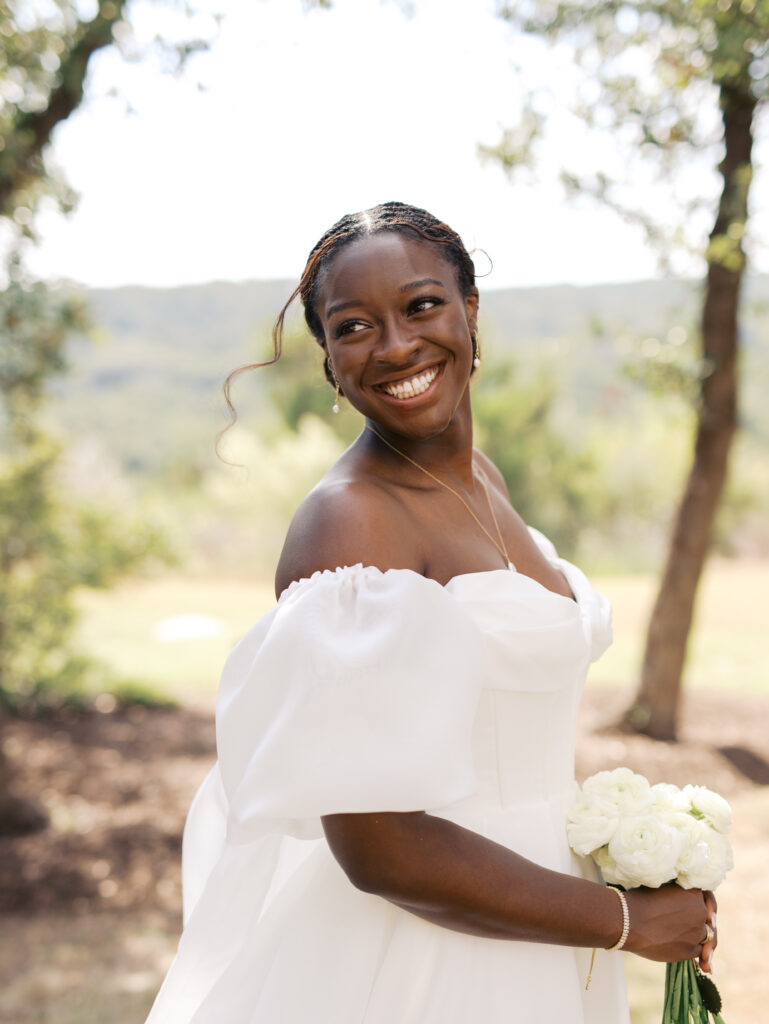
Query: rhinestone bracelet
{"x":625,"y":920}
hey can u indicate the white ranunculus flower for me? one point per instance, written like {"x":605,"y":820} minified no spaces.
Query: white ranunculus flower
{"x":639,"y":834}
{"x":645,"y":851}
{"x":669,"y":799}
{"x":706,"y":856}
{"x":694,"y":833}
{"x":589,"y":825}
{"x":627,"y":791}
{"x":710,"y":806}
{"x":606,"y":865}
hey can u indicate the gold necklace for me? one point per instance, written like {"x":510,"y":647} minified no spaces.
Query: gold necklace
{"x":499,"y":546}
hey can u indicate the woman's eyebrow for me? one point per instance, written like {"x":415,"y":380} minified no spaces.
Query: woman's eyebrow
{"x":339,"y":306}
{"x":418,"y":284}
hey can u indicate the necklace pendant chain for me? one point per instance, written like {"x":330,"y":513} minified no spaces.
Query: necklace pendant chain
{"x":499,"y":546}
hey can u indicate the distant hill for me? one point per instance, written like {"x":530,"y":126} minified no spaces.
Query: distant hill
{"x":149,"y":386}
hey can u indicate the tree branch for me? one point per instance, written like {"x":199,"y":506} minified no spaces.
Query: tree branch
{"x":32,"y":130}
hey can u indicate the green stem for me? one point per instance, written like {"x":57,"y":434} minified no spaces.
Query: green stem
{"x":667,"y":1009}
{"x":679,"y":975}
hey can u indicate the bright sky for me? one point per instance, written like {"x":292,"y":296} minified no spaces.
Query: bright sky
{"x":303,"y":117}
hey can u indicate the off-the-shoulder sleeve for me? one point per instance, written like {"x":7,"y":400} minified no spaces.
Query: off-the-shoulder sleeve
{"x":356,"y":693}
{"x":594,"y":607}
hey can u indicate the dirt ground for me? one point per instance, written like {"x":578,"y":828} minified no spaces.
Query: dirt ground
{"x":89,"y":908}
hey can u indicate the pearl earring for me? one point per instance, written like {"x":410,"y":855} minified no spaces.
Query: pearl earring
{"x":476,"y":352}
{"x":330,"y":369}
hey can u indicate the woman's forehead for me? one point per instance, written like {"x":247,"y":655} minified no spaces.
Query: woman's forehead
{"x":382,"y":262}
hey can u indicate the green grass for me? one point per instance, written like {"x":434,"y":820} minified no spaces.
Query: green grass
{"x":119,"y":628}
{"x":728,"y":650}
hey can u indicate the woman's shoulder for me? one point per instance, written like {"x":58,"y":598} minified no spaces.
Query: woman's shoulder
{"x":345,"y":520}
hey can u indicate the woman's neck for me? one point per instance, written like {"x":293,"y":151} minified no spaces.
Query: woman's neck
{"x":448,"y":454}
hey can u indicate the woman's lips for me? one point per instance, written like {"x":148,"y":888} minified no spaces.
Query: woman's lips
{"x":413,"y":386}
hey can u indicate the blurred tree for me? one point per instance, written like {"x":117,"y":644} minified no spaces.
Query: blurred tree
{"x":300,"y":387}
{"x":671,"y":81}
{"x":49,"y":544}
{"x":43,"y":63}
{"x":552,"y":481}
{"x":52,"y":541}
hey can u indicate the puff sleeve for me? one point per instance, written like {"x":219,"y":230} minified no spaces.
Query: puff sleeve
{"x":356,"y":693}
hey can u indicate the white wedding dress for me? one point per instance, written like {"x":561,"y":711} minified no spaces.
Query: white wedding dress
{"x":361,"y":691}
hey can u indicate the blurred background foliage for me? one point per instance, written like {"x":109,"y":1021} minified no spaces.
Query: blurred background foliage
{"x":56,"y":536}
{"x":584,"y":399}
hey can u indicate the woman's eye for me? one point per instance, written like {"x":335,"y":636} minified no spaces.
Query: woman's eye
{"x":349,"y":327}
{"x":423,"y":304}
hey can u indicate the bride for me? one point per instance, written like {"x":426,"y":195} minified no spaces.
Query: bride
{"x":383,"y":836}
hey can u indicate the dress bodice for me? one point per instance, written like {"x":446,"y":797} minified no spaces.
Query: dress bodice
{"x":537,"y":648}
{"x":536,"y":657}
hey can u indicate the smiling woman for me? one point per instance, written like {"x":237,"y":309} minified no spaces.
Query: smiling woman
{"x":397,"y":331}
{"x":396,"y":737}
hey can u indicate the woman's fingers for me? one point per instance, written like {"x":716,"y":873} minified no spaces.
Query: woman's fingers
{"x":710,"y":903}
{"x":711,"y":936}
{"x":706,"y":957}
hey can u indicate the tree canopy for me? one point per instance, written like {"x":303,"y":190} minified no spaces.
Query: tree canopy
{"x":673,"y":83}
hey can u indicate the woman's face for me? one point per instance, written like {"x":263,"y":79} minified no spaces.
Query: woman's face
{"x":397,"y":330}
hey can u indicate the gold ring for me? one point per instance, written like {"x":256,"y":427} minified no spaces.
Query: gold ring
{"x":709,"y":934}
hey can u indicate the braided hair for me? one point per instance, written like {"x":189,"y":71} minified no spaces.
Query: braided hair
{"x":399,"y":218}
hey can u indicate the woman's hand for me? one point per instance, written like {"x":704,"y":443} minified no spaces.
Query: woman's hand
{"x":670,"y":924}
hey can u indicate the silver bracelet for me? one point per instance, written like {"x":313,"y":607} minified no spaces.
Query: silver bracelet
{"x":625,"y":920}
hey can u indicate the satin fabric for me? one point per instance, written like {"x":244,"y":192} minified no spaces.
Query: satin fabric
{"x":363,"y":691}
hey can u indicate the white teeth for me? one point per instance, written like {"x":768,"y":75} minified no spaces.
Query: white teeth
{"x":413,"y":386}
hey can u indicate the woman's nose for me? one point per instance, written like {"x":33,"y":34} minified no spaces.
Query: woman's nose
{"x":396,"y":343}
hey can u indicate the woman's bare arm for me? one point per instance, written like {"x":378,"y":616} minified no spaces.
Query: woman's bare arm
{"x":458,"y":879}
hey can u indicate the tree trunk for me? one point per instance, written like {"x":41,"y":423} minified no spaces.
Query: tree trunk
{"x":18,"y":815}
{"x":655,"y":706}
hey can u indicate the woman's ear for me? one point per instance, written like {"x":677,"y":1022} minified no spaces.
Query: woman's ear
{"x":471,"y":309}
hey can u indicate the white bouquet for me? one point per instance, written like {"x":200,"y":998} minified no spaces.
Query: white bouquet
{"x":640,"y":834}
